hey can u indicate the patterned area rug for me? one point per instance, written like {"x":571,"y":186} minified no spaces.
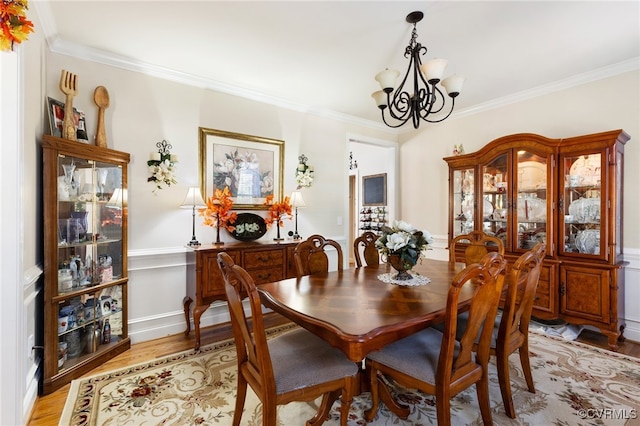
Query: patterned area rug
{"x":575,"y":385}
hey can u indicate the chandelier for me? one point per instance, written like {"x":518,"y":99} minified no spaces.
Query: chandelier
{"x":425,"y":99}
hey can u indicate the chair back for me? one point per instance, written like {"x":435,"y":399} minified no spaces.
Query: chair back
{"x":522,"y":285}
{"x":310,"y":257}
{"x":364,"y":248}
{"x":477,"y":245}
{"x":252,"y":351}
{"x":456,"y":359}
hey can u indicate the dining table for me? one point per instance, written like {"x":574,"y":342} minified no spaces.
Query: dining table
{"x":358,"y":310}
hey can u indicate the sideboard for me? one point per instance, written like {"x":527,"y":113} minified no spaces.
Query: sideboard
{"x":265,"y":262}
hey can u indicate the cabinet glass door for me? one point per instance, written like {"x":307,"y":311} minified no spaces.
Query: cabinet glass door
{"x":463,"y":201}
{"x":581,"y":205}
{"x":495,"y":198}
{"x":531,"y":200}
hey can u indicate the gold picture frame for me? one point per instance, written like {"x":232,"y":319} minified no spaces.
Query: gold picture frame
{"x":251,"y":166}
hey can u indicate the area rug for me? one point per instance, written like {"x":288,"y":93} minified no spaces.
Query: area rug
{"x":575,"y":385}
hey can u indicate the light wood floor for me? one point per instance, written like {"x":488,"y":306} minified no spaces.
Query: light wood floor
{"x":48,"y":408}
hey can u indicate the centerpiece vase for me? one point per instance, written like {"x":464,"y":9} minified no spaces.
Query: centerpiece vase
{"x":396,"y":262}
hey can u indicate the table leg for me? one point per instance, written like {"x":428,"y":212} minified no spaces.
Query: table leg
{"x":384,"y":394}
{"x":186,"y":303}
{"x":324,"y":409}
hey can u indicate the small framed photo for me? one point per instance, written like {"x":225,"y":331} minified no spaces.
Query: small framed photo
{"x":56,"y":117}
{"x":106,"y":305}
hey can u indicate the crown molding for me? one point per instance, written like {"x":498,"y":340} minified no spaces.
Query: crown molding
{"x":64,"y":47}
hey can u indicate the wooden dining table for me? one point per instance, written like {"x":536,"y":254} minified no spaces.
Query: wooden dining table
{"x":355,"y":311}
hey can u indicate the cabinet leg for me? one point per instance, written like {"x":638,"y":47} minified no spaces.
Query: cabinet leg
{"x":186,"y":303}
{"x":197,"y":313}
{"x":621,"y":337}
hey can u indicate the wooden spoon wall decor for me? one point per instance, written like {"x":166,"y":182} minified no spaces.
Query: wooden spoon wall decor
{"x":101,"y":98}
{"x":68,"y":86}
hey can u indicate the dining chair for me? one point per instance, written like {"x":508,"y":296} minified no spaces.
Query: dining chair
{"x":364,"y":248}
{"x":476,"y":245}
{"x":511,"y":327}
{"x":310,"y":257}
{"x":294,"y":366}
{"x":435,"y":362}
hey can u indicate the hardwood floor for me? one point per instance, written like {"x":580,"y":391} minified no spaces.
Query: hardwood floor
{"x":48,"y":408}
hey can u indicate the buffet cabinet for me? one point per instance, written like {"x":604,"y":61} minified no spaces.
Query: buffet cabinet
{"x":85,"y":258}
{"x":566,"y":193}
{"x":265,"y":262}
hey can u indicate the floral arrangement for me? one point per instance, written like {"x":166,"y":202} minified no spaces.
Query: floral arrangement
{"x":404,"y":240}
{"x":14,"y":26}
{"x":304,"y":173}
{"x":218,"y":211}
{"x":242,"y":167}
{"x":277,"y":211}
{"x":161,"y":166}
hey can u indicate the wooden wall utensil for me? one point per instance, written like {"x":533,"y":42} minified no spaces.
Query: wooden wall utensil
{"x":101,"y":98}
{"x":68,"y":86}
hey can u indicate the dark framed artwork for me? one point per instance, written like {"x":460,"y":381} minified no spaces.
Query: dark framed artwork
{"x":374,"y":190}
{"x":250,"y":166}
{"x":55,"y":109}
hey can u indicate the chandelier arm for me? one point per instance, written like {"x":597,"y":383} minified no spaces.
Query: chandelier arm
{"x":453,"y":103}
{"x":394,"y":126}
{"x":436,"y":100}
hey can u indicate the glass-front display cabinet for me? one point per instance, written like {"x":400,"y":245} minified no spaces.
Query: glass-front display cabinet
{"x":566,"y":193}
{"x":85,"y":231}
{"x":462,"y":189}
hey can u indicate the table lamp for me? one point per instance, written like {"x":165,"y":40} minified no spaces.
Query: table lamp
{"x":192,"y":201}
{"x":297,"y":201}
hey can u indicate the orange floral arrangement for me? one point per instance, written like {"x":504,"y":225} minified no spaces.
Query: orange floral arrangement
{"x":14,"y":26}
{"x":277,"y":211}
{"x":218,"y":211}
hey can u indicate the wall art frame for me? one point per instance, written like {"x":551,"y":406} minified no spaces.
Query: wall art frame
{"x":251,"y":166}
{"x":374,"y":190}
{"x":55,"y":108}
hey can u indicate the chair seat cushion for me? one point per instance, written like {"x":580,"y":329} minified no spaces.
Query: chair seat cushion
{"x":301,"y":359}
{"x":416,"y":355}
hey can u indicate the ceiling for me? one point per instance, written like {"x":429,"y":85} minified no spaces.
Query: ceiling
{"x":322,"y":56}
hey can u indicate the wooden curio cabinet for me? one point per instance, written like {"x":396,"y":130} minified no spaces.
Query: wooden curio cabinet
{"x":525,"y":189}
{"x":85,"y":258}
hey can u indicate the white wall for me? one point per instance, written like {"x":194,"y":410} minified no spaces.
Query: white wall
{"x":144,"y":110}
{"x":608,"y":104}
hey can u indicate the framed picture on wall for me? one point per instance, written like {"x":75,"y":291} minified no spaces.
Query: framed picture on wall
{"x":56,"y":117}
{"x":374,"y":190}
{"x":251,"y":166}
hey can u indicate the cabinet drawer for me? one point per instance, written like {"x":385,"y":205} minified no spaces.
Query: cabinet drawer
{"x":266,"y":275}
{"x":542,"y":301}
{"x":263,"y":259}
{"x":543,"y":287}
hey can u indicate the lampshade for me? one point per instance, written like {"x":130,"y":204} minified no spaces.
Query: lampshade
{"x":193,"y":199}
{"x":116,"y":199}
{"x":296,"y":199}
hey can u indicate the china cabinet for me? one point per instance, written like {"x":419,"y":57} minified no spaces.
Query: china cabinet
{"x":567,"y":193}
{"x":85,"y":258}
